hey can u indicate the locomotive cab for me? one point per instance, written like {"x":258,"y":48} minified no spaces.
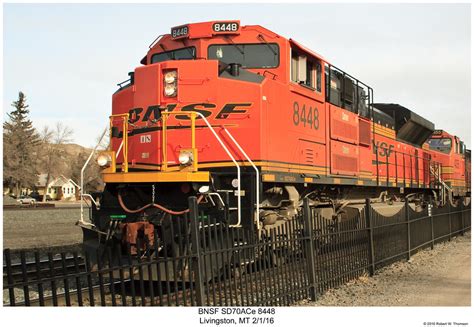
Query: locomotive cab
{"x":449,"y":152}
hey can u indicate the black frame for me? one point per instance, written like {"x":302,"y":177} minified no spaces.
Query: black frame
{"x":165,"y":52}
{"x":239,"y":44}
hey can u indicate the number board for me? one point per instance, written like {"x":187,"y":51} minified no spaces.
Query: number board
{"x":179,"y":31}
{"x":225,"y":27}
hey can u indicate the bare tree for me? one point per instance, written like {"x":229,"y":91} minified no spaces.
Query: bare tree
{"x":92,"y":174}
{"x":52,"y":139}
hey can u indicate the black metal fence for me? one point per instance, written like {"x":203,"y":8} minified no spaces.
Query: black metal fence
{"x":210,"y":264}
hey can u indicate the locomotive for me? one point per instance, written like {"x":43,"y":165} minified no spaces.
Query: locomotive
{"x":252,"y":123}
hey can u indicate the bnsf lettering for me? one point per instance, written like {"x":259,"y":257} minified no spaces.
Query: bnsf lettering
{"x":135,"y":115}
{"x":155,"y":111}
{"x":206,"y":109}
{"x":230,"y":109}
{"x":197,"y":107}
{"x":384,"y":148}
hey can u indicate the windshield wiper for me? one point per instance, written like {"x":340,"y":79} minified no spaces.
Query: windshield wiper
{"x":235,"y":45}
{"x":188,"y":48}
{"x":261,"y":38}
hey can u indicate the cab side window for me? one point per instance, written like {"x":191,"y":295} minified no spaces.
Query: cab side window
{"x":305,"y":70}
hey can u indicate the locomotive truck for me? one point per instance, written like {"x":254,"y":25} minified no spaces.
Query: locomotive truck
{"x":251,"y":123}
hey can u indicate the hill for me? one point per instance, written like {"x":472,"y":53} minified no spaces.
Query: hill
{"x":69,"y":160}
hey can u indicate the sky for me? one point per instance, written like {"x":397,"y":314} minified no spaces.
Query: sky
{"x":68,"y":58}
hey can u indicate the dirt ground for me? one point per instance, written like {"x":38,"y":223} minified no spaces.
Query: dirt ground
{"x":439,"y":277}
{"x":29,"y":229}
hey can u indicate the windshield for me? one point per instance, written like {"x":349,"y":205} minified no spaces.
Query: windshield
{"x":179,"y":54}
{"x":441,"y":145}
{"x":264,"y":55}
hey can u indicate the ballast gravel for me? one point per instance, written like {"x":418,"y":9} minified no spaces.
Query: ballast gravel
{"x":438,"y":277}
{"x":46,"y":228}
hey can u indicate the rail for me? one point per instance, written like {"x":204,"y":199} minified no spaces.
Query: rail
{"x":124,"y":144}
{"x":436,"y":170}
{"x":257,"y":177}
{"x":82,"y":178}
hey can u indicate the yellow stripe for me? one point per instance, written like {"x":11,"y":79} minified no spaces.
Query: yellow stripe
{"x":137,"y":177}
{"x":383,"y":127}
{"x":384,"y":134}
{"x":294,"y":170}
{"x":268,"y":177}
{"x":384,"y":130}
{"x":263,"y":164}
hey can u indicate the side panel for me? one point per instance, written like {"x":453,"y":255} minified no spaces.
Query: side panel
{"x":294,"y":129}
{"x":344,"y":134}
{"x":344,"y":158}
{"x":344,"y":125}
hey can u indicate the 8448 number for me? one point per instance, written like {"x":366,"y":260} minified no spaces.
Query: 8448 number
{"x":307,"y":116}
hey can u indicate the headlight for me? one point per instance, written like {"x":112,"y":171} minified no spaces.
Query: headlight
{"x":185,"y":157}
{"x":170,"y":83}
{"x":170,"y":90}
{"x":170,"y":77}
{"x":104,"y":160}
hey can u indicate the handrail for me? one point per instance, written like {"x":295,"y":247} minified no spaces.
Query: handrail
{"x":165,"y":114}
{"x":193,"y":130}
{"x":82,"y":177}
{"x":125,"y":118}
{"x":411,"y":167}
{"x":437,"y":173}
{"x":257,"y":177}
{"x":118,"y":151}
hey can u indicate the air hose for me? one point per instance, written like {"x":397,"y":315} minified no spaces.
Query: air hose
{"x":171,"y":212}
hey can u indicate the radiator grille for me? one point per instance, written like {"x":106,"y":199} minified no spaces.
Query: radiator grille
{"x":345,"y":164}
{"x":364,"y":132}
{"x":344,"y":130}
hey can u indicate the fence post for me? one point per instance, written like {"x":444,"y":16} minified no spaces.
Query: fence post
{"x":432,"y":226}
{"x":462,"y":217}
{"x":370,"y":229}
{"x":407,"y":217}
{"x":449,"y":217}
{"x":196,"y":249}
{"x":309,"y":249}
{"x":11,"y":290}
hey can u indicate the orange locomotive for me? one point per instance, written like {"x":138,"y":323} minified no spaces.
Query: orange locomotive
{"x":251,"y":123}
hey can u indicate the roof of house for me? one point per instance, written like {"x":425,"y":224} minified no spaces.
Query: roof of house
{"x":59,"y":181}
{"x":53,"y":182}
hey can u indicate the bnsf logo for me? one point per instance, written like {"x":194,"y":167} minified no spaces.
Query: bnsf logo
{"x":384,"y":148}
{"x":154,"y":112}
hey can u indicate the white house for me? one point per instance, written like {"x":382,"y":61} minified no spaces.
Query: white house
{"x":59,"y":188}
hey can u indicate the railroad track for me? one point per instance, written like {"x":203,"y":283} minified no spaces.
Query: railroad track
{"x":22,"y":270}
{"x":14,"y":207}
{"x":75,"y":297}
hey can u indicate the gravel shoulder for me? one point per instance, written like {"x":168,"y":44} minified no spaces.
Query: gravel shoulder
{"x":30,"y":229}
{"x":439,"y":277}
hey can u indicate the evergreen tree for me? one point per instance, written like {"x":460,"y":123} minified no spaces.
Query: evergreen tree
{"x":20,"y":145}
